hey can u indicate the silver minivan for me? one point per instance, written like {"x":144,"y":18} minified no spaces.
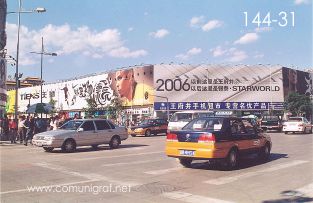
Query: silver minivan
{"x":81,"y":132}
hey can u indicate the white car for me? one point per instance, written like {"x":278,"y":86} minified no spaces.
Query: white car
{"x":81,"y":132}
{"x":297,"y":124}
{"x":181,"y":118}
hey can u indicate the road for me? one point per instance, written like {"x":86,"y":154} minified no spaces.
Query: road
{"x":139,"y":171}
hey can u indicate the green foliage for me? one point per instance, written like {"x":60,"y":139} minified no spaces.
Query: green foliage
{"x":91,"y":106}
{"x":52,"y":102}
{"x":115,"y":108}
{"x":112,"y":110}
{"x":299,"y":104}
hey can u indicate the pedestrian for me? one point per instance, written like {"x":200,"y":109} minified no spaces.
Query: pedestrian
{"x":30,"y":130}
{"x":5,"y":127}
{"x":21,"y":129}
{"x":55,"y":123}
{"x":13,"y":130}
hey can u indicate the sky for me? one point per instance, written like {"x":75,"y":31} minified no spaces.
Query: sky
{"x":99,"y":35}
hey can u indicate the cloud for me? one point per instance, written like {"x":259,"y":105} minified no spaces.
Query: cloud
{"x":212,"y":24}
{"x":258,"y":56}
{"x":232,"y":54}
{"x":196,"y":21}
{"x":130,"y":29}
{"x":66,"y":40}
{"x":247,"y":38}
{"x":218,"y":51}
{"x":159,"y":33}
{"x":124,"y":52}
{"x":299,"y":2}
{"x":236,"y":55}
{"x":191,"y":52}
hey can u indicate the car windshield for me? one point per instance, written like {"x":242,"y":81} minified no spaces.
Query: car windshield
{"x":295,"y":119}
{"x":270,"y":118}
{"x":181,"y":117}
{"x":211,"y":124}
{"x":147,"y":122}
{"x":203,"y":115}
{"x":71,"y":125}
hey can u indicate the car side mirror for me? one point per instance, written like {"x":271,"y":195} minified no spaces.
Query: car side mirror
{"x":80,"y":130}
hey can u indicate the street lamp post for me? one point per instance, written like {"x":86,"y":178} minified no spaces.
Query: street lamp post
{"x":43,"y":52}
{"x":38,"y":10}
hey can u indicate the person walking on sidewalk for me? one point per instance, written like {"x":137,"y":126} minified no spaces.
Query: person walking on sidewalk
{"x":29,"y":130}
{"x":21,"y":129}
{"x":5,"y":128}
{"x":13,"y":130}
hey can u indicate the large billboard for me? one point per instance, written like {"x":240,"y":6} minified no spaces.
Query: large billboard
{"x":69,"y":95}
{"x":134,"y":85}
{"x":203,"y":87}
{"x":297,"y":81}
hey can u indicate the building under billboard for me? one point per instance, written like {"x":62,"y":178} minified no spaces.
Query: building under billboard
{"x":3,"y":93}
{"x":145,"y":90}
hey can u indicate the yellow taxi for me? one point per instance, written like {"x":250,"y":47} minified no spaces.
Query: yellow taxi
{"x":149,"y":127}
{"x":219,"y":139}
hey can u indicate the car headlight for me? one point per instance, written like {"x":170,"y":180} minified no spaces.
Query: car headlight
{"x":49,"y":138}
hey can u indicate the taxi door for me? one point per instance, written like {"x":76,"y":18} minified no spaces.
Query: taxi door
{"x":239,"y":135}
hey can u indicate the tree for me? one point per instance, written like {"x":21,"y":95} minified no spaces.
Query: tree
{"x":91,"y":106}
{"x":115,"y":107}
{"x":299,"y":104}
{"x":52,"y":102}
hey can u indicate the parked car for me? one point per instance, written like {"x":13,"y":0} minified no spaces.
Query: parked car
{"x":297,"y":124}
{"x":149,"y":127}
{"x":272,"y":123}
{"x":217,"y":139}
{"x":81,"y":132}
{"x":181,"y":118}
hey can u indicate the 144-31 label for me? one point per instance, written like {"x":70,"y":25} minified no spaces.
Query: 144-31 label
{"x":282,"y":19}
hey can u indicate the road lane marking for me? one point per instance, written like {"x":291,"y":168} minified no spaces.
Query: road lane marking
{"x":163,"y":171}
{"x":188,"y":197}
{"x":307,"y":190}
{"x":229,"y":179}
{"x":90,"y":176}
{"x":117,"y":156}
{"x":134,"y":162}
{"x":49,"y":186}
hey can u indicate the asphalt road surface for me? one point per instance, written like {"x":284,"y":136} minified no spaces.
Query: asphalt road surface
{"x":139,"y":171}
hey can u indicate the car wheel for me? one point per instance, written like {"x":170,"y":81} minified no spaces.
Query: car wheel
{"x":265,"y":152}
{"x":48,"y":149}
{"x":69,"y":146}
{"x":148,"y":133}
{"x":286,"y":133}
{"x":94,"y":146}
{"x":115,"y":142}
{"x":133,"y":135}
{"x":186,"y":162}
{"x":304,"y":131}
{"x":232,"y":159}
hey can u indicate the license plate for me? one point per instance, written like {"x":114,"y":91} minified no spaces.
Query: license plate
{"x":39,"y":144}
{"x":187,"y":152}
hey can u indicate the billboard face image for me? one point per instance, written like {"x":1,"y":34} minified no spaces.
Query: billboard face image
{"x":203,"y":87}
{"x":134,"y":86}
